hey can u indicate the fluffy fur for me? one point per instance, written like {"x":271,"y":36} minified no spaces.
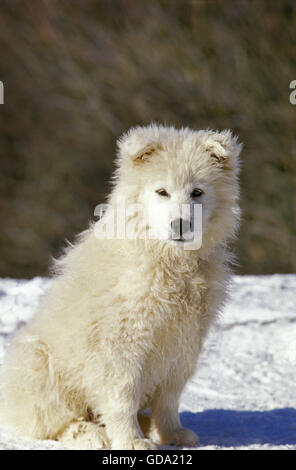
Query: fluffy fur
{"x":124,"y":321}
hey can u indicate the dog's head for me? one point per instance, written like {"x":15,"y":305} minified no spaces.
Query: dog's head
{"x":180,"y":181}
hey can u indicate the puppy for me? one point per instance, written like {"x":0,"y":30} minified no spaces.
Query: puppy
{"x":123,"y":324}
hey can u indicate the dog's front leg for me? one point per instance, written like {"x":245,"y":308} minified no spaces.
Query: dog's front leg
{"x":121,"y":420}
{"x":120,"y":395}
{"x":165,"y":427}
{"x":124,"y":431}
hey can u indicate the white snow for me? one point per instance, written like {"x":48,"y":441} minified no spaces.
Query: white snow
{"x":243,"y":395}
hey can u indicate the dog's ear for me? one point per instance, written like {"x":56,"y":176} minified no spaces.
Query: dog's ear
{"x":137,"y":146}
{"x":145,"y":153}
{"x":224,"y":149}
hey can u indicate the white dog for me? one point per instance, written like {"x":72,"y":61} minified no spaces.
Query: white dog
{"x":123,"y":323}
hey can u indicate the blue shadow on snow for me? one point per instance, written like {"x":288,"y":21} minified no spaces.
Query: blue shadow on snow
{"x":230,"y":428}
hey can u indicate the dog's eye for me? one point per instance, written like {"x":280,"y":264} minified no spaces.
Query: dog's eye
{"x":196,"y":193}
{"x":162,"y":192}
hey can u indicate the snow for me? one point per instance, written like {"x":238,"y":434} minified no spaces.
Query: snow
{"x":243,"y":395}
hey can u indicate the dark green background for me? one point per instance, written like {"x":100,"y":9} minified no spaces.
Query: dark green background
{"x":78,"y":74}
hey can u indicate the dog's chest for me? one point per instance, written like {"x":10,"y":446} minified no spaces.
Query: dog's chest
{"x":176,"y":310}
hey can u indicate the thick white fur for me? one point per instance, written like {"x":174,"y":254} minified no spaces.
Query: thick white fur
{"x":124,"y":321}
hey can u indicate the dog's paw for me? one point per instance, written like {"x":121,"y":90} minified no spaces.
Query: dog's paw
{"x":143,"y":444}
{"x":181,"y":437}
{"x":136,"y":444}
{"x":84,"y":435}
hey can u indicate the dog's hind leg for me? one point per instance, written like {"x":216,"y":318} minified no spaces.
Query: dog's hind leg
{"x":34,"y":403}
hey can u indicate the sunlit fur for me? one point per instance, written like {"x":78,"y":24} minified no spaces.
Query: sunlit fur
{"x":123,"y":323}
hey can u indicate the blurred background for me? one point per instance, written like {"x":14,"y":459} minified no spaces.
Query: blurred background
{"x":78,"y":74}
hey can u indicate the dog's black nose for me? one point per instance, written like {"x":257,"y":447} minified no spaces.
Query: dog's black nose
{"x":180,"y":227}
